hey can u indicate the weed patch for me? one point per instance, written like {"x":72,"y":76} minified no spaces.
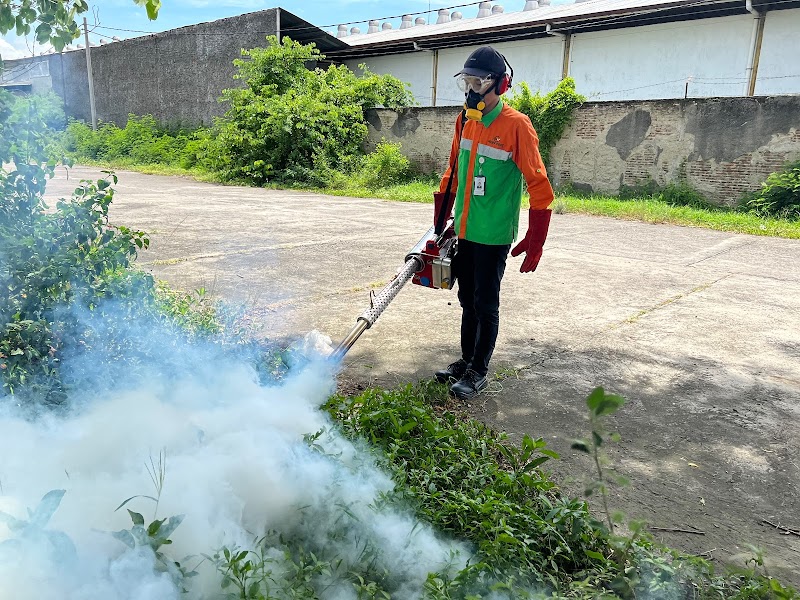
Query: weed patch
{"x":471,"y":482}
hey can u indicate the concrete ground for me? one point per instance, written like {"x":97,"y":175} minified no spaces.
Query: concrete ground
{"x":699,"y":331}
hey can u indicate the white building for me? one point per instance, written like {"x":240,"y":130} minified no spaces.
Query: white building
{"x":614,"y":49}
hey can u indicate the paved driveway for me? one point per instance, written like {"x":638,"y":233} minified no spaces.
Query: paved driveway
{"x":698,"y":329}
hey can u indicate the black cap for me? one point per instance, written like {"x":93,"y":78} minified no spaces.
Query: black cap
{"x":484,"y":61}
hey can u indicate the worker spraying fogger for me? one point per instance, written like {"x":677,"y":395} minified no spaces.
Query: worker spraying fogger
{"x":476,"y":217}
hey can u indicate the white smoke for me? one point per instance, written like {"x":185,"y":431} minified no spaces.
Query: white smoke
{"x":237,"y":466}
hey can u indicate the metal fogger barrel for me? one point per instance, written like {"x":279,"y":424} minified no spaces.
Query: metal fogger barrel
{"x":428,"y":263}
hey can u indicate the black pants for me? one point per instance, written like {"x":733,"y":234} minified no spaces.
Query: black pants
{"x":479,"y":270}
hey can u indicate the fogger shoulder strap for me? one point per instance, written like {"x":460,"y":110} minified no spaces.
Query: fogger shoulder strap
{"x":441,"y":218}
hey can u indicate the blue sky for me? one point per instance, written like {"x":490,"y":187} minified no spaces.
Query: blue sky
{"x":111,"y":16}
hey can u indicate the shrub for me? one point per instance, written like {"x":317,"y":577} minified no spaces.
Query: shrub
{"x":385,"y":166}
{"x":550,"y":114}
{"x":81,"y":142}
{"x":52,"y":259}
{"x":28,"y":126}
{"x":287,"y":120}
{"x":121,"y":143}
{"x":143,"y":140}
{"x":681,"y":194}
{"x":779,"y":195}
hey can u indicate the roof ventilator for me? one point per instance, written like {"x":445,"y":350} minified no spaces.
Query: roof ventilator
{"x":386,"y":26}
{"x":408,"y":22}
{"x":484,"y":10}
{"x":444,"y":16}
{"x":420,"y":21}
{"x":373,"y":27}
{"x":456,"y":16}
{"x":342,"y":31}
{"x":531,"y":5}
{"x":354,"y":31}
{"x":498,"y":9}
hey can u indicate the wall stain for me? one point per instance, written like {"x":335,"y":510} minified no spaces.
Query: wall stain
{"x":374,"y":119}
{"x":727,"y":129}
{"x":630,"y":131}
{"x":407,"y":123}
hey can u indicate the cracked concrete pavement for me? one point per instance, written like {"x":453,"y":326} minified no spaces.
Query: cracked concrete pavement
{"x":697,"y":329}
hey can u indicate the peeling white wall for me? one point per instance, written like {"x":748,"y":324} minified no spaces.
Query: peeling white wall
{"x":414,"y":68}
{"x":655,"y":61}
{"x":634,"y":63}
{"x":779,"y":67}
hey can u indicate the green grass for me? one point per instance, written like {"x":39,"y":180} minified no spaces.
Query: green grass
{"x":153,"y":169}
{"x":651,"y":210}
{"x":645,"y":209}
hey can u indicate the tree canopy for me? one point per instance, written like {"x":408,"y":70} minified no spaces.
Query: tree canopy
{"x":53,"y":21}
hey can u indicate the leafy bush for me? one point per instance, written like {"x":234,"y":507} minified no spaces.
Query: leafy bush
{"x":550,"y":114}
{"x":288,"y":121}
{"x":81,"y":142}
{"x":52,"y":259}
{"x":385,"y":166}
{"x":779,"y":195}
{"x":682,"y":194}
{"x":28,"y":126}
{"x":142,"y":141}
{"x":522,"y":527}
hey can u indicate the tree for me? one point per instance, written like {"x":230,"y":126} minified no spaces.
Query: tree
{"x":55,"y":21}
{"x":70,"y":254}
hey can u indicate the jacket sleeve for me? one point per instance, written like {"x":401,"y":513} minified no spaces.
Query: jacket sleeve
{"x":529,"y":161}
{"x":454,"y":149}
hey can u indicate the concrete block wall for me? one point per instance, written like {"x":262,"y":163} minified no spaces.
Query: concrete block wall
{"x":176,"y":76}
{"x":722,"y":147}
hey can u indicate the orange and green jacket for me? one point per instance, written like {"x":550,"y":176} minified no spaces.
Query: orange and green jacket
{"x":504,"y":148}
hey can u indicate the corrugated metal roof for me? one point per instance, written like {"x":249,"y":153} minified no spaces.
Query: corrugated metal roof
{"x":543,"y":15}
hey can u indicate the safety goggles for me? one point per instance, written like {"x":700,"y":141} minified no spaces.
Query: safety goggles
{"x":479,"y":85}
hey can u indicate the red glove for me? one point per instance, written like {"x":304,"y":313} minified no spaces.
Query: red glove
{"x":538,"y":223}
{"x":440,"y":204}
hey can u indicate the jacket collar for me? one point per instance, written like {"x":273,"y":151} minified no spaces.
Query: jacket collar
{"x":489,"y":118}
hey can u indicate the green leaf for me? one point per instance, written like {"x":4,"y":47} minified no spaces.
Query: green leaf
{"x":581,"y":446}
{"x":153,"y":528}
{"x":535,"y":463}
{"x":49,"y":504}
{"x":43,"y":33}
{"x":136,"y":518}
{"x":125,"y":537}
{"x":172,"y":525}
{"x":594,"y":555}
{"x":594,"y":399}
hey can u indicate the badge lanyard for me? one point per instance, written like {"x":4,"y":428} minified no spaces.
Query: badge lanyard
{"x":479,"y":180}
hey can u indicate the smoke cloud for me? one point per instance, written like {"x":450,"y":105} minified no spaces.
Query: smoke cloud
{"x":236,"y":466}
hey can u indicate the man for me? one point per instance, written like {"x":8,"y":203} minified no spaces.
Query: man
{"x":494,"y":148}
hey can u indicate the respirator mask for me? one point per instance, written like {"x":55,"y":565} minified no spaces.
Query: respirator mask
{"x":475,"y":89}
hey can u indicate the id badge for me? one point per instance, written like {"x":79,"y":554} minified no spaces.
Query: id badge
{"x":479,"y":185}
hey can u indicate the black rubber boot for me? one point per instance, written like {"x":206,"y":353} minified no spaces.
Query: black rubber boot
{"x":453,"y":372}
{"x":469,"y":386}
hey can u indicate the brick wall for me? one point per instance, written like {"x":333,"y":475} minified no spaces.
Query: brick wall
{"x":722,"y":147}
